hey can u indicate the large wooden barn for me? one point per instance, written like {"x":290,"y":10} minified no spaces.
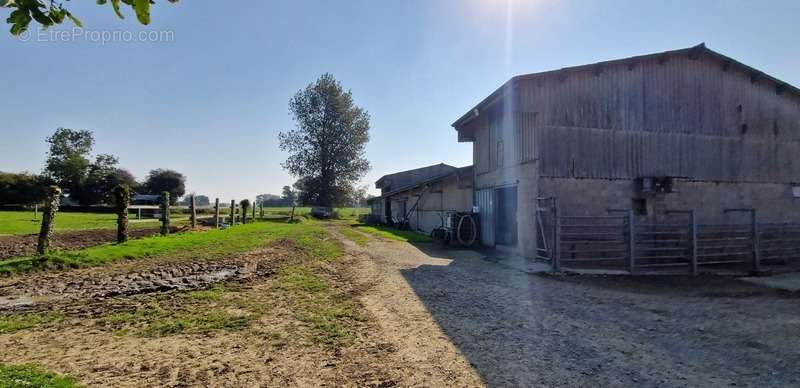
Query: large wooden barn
{"x":684,"y":129}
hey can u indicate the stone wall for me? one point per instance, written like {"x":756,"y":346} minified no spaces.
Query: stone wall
{"x":591,"y":197}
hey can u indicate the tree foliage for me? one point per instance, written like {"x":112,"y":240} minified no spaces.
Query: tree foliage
{"x":288,"y":196}
{"x":326,"y":149}
{"x":161,"y":180}
{"x":88,"y":182}
{"x":21,"y":189}
{"x":68,"y":158}
{"x":51,"y":12}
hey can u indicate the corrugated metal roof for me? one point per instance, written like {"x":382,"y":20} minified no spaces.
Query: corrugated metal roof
{"x":695,"y":51}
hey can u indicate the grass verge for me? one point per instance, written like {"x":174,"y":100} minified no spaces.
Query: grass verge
{"x":210,"y":244}
{"x":355,"y":236}
{"x":32,"y":375}
{"x":393,"y":234}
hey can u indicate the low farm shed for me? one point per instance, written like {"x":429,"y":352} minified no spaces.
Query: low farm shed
{"x":423,"y":197}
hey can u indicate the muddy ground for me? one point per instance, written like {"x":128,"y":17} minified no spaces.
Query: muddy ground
{"x":13,"y":246}
{"x":430,"y":317}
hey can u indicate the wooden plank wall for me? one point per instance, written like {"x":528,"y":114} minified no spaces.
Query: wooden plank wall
{"x":673,"y":116}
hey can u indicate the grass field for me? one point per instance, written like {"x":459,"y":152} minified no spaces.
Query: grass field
{"x":22,"y":222}
{"x":210,"y":244}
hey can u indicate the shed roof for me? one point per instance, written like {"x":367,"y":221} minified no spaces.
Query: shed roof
{"x":460,"y":172}
{"x":694,"y":52}
{"x":411,"y":177}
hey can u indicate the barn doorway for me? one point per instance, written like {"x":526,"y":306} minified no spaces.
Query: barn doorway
{"x":506,"y":216}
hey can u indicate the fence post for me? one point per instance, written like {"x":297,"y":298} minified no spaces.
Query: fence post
{"x":233,"y":212}
{"x":165,"y":213}
{"x":693,"y":241}
{"x":254,"y":211}
{"x":756,"y":242}
{"x":216,"y":212}
{"x":48,"y":216}
{"x":631,"y":241}
{"x":192,"y":212}
{"x":139,"y":214}
{"x":556,"y":237}
{"x":261,"y":210}
{"x":122,"y":196}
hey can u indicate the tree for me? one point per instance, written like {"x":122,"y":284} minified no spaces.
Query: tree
{"x":288,"y":196}
{"x":202,"y":200}
{"x":269,"y":200}
{"x":49,"y":13}
{"x":68,"y":158}
{"x":199,"y":200}
{"x":102,"y":177}
{"x":171,"y":181}
{"x":358,"y":196}
{"x":21,"y":189}
{"x":326,"y":149}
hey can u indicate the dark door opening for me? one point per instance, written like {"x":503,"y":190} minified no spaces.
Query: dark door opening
{"x":506,"y":215}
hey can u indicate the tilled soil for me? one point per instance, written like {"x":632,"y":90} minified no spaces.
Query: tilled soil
{"x":14,"y":246}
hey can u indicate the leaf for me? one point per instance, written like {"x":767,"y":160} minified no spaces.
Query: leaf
{"x":115,"y":5}
{"x":142,"y":8}
{"x":74,"y":19}
{"x":19,"y":20}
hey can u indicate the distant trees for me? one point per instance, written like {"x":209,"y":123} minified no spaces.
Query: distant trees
{"x":289,"y":196}
{"x":68,"y":158}
{"x":161,"y":180}
{"x":21,"y":189}
{"x":69,"y":166}
{"x":199,"y":200}
{"x":87,"y":181}
{"x":326,"y":149}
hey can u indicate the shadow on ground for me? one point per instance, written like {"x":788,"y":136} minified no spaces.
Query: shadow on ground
{"x":519,"y":329}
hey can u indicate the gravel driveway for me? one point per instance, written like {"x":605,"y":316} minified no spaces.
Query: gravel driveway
{"x":520,"y":329}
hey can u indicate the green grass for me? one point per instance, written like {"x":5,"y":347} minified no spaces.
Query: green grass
{"x":355,"y":236}
{"x":22,"y":222}
{"x":13,"y":323}
{"x":31,"y":375}
{"x":212,"y":244}
{"x":185,"y":314}
{"x":393,"y":234}
{"x":329,"y":315}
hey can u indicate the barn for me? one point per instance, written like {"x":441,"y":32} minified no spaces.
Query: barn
{"x":422,"y":197}
{"x":652,"y":135}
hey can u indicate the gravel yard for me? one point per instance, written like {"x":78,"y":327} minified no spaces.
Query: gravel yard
{"x":519,"y":329}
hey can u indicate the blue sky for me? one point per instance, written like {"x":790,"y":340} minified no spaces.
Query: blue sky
{"x":210,"y":102}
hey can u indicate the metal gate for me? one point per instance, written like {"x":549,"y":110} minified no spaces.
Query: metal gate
{"x":546,"y":216}
{"x":484,"y":200}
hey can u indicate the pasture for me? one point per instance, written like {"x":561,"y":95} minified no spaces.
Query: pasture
{"x":14,"y":223}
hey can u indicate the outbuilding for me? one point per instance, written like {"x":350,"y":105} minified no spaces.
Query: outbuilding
{"x":421,"y":198}
{"x":683,"y":129}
